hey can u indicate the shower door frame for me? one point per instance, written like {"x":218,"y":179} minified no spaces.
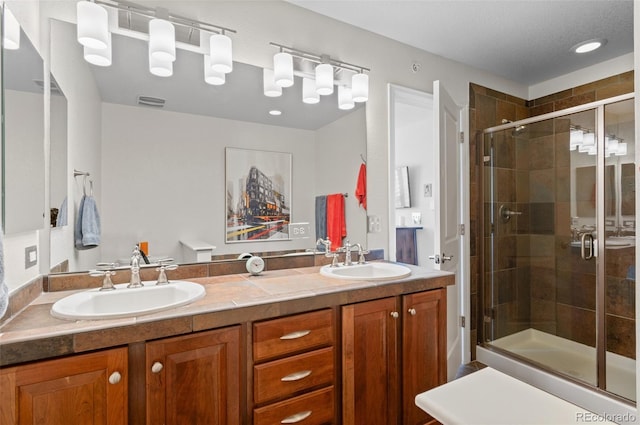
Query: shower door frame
{"x":598,"y":107}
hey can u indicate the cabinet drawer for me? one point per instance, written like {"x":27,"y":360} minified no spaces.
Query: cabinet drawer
{"x":287,"y":335}
{"x":282,"y":378}
{"x":315,"y":408}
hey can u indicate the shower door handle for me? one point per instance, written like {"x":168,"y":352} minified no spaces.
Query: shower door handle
{"x":586,"y":237}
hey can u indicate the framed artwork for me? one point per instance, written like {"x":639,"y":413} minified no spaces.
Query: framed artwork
{"x":258,"y":195}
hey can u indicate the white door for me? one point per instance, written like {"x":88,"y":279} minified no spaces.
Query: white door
{"x":448,"y":217}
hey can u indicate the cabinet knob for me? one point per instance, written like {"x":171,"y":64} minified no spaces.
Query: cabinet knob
{"x":412,"y":311}
{"x":115,"y":378}
{"x":395,"y":314}
{"x":157,"y":367}
{"x":298,"y":417}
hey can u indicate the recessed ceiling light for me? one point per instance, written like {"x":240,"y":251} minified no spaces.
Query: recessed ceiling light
{"x":589,"y":45}
{"x":275,"y":112}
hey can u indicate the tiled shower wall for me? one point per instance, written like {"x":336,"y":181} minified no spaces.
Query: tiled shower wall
{"x":528,"y":173}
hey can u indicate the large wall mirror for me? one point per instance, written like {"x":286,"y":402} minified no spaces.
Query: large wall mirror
{"x":160,"y":175}
{"x":22,"y":138}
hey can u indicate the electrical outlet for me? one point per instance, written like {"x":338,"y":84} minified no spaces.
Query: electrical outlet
{"x":299,"y":230}
{"x":30,"y":256}
{"x":374,"y":225}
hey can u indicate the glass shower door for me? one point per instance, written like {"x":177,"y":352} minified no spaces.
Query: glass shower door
{"x":540,"y":256}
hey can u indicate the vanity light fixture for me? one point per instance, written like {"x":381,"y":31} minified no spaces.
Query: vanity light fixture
{"x":283,"y":69}
{"x":324,"y":79}
{"x":99,"y":57}
{"x":162,"y":40}
{"x":309,"y":92}
{"x":11,"y":39}
{"x":220,"y":51}
{"x":93,"y":25}
{"x":360,"y":87}
{"x":211,"y":76}
{"x":324,"y":73}
{"x":271,"y":89}
{"x":166,"y":33}
{"x":345,"y":101}
{"x":160,"y":68}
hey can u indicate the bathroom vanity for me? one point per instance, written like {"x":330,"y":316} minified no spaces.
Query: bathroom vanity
{"x":286,"y":346}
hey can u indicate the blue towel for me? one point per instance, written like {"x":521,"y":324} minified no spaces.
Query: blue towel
{"x":61,"y":220}
{"x":90,"y":223}
{"x":321,"y":219}
{"x":77,"y":230}
{"x":4,"y":291}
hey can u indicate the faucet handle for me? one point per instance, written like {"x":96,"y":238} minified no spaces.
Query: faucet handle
{"x":361,"y":254}
{"x":163,"y":267}
{"x":107,"y":284}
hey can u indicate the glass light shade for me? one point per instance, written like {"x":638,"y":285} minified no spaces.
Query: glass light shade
{"x":211,"y":76}
{"x":99,"y":57}
{"x":575,"y":139}
{"x":160,"y":68}
{"x":93,"y":25}
{"x":271,"y":89}
{"x":611,"y":146}
{"x":324,"y":79}
{"x":283,"y":69}
{"x":360,"y":87}
{"x":309,"y":93}
{"x":622,"y":149}
{"x":220,"y":50}
{"x":162,"y":40}
{"x":11,"y":30}
{"x":345,"y":101}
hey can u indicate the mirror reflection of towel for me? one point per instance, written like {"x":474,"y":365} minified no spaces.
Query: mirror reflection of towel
{"x":361,"y":186}
{"x":321,"y":219}
{"x":336,"y":223}
{"x":87,"y":228}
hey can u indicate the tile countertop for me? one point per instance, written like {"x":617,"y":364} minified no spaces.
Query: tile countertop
{"x":34,"y":334}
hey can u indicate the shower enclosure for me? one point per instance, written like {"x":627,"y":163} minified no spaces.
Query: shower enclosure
{"x":559,"y":250}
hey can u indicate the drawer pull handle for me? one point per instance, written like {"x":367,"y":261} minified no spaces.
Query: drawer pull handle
{"x":296,"y":376}
{"x":295,"y":335}
{"x":298,"y":417}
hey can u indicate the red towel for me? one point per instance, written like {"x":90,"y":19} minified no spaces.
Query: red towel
{"x":336,"y":223}
{"x":361,"y":186}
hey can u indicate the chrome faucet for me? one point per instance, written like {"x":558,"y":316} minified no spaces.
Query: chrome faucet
{"x":163,"y":267}
{"x":327,"y":251}
{"x":135,"y":269}
{"x":105,"y":270}
{"x":347,"y":252}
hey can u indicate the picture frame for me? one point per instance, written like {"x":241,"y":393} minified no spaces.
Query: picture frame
{"x":258,"y":195}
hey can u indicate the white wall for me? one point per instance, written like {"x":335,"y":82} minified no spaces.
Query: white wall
{"x":337,"y":157}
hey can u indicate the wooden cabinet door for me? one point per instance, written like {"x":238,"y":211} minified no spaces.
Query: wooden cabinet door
{"x":195,"y":379}
{"x":86,"y":389}
{"x":424,"y":349}
{"x":370,"y":393}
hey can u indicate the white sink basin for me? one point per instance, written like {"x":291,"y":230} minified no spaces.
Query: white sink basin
{"x":124,"y":302}
{"x":368,"y":271}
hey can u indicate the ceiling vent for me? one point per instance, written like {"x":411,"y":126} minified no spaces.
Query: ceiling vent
{"x":156,"y":102}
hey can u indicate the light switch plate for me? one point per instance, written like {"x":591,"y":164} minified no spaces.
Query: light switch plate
{"x":416,"y":217}
{"x":374,"y":225}
{"x":30,"y":256}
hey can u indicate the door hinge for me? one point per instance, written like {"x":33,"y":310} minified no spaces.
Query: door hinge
{"x":462,"y":137}
{"x":461,"y":229}
{"x":463,"y":321}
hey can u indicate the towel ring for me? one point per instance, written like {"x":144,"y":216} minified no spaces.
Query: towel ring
{"x":84,"y":186}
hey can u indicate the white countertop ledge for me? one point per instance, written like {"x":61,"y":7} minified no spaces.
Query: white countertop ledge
{"x":490,"y":397}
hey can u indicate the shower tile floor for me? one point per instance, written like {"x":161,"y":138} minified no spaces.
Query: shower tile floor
{"x":572,"y":358}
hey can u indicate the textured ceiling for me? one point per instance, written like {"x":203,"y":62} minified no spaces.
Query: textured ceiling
{"x":527,"y":41}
